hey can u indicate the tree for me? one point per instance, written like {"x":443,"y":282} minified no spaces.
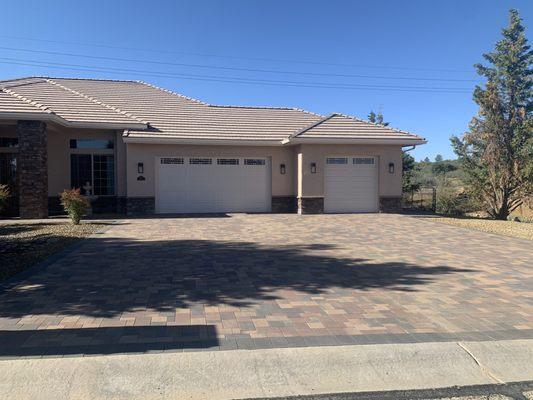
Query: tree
{"x":442,"y":168}
{"x":377,"y":118}
{"x":409,"y":167}
{"x":427,"y":160}
{"x":438,"y":158}
{"x":496,"y":153}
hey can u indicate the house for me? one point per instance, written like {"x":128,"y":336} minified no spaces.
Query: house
{"x":136,"y":148}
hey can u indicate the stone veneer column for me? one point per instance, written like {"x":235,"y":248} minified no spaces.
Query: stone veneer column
{"x":392,"y":204}
{"x":32,"y":169}
{"x":310,"y":205}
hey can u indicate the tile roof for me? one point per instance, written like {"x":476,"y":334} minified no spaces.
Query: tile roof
{"x":146,"y":112}
{"x":339,"y":126}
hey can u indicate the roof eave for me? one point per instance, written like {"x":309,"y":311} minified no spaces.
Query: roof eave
{"x":374,"y":141}
{"x":37,"y":116}
{"x":190,"y":141}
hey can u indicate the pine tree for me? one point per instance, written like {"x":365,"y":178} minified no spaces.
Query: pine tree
{"x":497,"y":152}
{"x":379,"y":119}
{"x":409,"y":168}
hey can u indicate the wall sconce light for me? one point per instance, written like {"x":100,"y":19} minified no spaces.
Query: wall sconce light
{"x":391,"y":168}
{"x":282,"y":169}
{"x":313,"y":168}
{"x":140,"y":168}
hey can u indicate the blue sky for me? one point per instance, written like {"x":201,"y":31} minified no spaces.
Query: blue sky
{"x":411,"y":59}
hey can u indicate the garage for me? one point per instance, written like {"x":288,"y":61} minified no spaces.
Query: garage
{"x":212,"y":184}
{"x":351,"y":184}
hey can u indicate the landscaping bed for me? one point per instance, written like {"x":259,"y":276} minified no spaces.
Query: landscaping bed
{"x":25,"y":243}
{"x":522,"y":230}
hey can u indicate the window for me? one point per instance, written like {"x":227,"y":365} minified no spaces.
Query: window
{"x":8,"y":170}
{"x":91,"y":144}
{"x":9,"y":142}
{"x":200,"y":161}
{"x":337,"y":160}
{"x":254,"y":161}
{"x":363,"y":160}
{"x":172,"y":160}
{"x":228,"y":161}
{"x":93,"y":174}
{"x":104,"y":175}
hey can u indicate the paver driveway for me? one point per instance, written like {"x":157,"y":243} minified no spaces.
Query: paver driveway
{"x":269,"y":280}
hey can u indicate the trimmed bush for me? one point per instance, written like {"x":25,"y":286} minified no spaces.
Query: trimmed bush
{"x":4,"y":195}
{"x":75,"y":204}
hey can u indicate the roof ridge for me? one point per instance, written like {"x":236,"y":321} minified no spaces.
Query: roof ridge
{"x":20,"y":79}
{"x":7,"y":86}
{"x":266,"y":108}
{"x":316,"y":123}
{"x":96,"y":101}
{"x":224,"y":105}
{"x":253,"y":107}
{"x":40,"y":106}
{"x":376,"y":124}
{"x":95,"y":79}
{"x":173,"y":93}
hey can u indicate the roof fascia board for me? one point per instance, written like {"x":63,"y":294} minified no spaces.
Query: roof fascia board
{"x":391,"y":141}
{"x":218,"y":142}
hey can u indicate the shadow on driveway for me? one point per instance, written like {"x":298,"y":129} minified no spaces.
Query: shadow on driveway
{"x":106,"y":340}
{"x":107,"y":277}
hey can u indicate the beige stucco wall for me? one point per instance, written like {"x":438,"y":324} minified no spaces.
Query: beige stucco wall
{"x":282,"y":185}
{"x":312,"y":185}
{"x":297,"y":180}
{"x":59,"y":156}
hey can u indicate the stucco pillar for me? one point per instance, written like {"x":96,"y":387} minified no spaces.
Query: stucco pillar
{"x":32,"y":169}
{"x":308,"y":202}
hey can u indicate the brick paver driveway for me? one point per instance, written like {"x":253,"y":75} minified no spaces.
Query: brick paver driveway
{"x":275,"y":280}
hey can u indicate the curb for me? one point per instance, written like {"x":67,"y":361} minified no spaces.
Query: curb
{"x":513,"y":390}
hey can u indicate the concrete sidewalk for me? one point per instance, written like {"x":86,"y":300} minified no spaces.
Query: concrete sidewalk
{"x":242,"y":374}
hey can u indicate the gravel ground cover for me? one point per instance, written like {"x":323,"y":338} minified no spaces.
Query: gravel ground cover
{"x":25,"y":243}
{"x":522,"y":230}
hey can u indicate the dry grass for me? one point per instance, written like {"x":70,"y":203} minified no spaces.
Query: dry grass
{"x":507,"y":228}
{"x":25,"y":243}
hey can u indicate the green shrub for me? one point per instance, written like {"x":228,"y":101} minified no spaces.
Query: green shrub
{"x":448,"y":201}
{"x":75,"y":204}
{"x":4,"y":195}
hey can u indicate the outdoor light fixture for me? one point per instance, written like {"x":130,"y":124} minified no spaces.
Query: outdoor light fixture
{"x":282,"y":169}
{"x":140,"y":168}
{"x":313,"y":168}
{"x":391,"y":168}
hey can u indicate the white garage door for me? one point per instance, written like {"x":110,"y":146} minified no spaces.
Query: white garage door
{"x":212,"y":184}
{"x":351,"y":185}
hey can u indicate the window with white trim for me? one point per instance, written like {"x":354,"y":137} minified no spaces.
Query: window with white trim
{"x":337,"y":160}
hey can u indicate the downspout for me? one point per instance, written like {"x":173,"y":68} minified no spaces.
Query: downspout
{"x":412,"y":148}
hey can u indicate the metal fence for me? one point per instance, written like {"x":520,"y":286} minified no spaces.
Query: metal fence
{"x":423,"y":199}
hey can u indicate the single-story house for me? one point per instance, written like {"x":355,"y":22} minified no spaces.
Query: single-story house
{"x":136,"y":148}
